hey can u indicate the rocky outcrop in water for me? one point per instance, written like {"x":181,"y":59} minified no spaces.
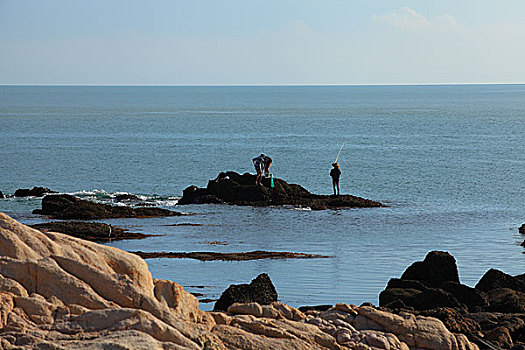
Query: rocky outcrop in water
{"x":33,"y":192}
{"x":68,"y":207}
{"x":431,"y":287}
{"x":261,"y":290}
{"x":209,"y":256}
{"x":91,"y":231}
{"x":432,"y":283}
{"x":233,"y":188}
{"x":61,"y":292}
{"x":522,"y":229}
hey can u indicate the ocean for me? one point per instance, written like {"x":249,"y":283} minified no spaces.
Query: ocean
{"x":448,"y":161}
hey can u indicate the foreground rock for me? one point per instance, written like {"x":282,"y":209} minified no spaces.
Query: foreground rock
{"x":431,"y":287}
{"x":65,"y":206}
{"x":522,"y":229}
{"x":60,"y":292}
{"x":208,"y":256}
{"x":33,"y":192}
{"x":91,"y":231}
{"x":233,"y":188}
{"x":341,"y":327}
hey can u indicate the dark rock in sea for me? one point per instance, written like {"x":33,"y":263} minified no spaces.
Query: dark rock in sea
{"x":65,"y":206}
{"x":494,"y":279}
{"x":315,"y":308}
{"x":91,"y":231}
{"x":437,"y":267}
{"x":522,"y":229}
{"x":261,"y":290}
{"x":233,"y":188}
{"x":34,"y":192}
{"x":127,"y":197}
{"x":432,"y":283}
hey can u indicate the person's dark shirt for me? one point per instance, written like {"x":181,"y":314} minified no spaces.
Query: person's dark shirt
{"x":335,"y":173}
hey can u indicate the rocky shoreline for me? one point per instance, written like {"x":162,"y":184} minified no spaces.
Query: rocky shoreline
{"x":209,"y":256}
{"x":57,"y":291}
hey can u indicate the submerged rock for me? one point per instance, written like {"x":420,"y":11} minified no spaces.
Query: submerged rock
{"x":91,"y":231}
{"x":261,"y":290}
{"x":233,"y":188}
{"x":208,"y":256}
{"x":34,"y":192}
{"x":65,"y":206}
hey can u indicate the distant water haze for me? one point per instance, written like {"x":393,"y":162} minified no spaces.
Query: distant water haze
{"x":448,"y":160}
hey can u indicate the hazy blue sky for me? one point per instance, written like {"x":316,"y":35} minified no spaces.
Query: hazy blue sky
{"x":216,"y":42}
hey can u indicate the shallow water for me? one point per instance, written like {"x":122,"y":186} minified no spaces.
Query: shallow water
{"x":448,"y":160}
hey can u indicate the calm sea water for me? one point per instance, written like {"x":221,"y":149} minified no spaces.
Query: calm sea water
{"x":448,"y":160}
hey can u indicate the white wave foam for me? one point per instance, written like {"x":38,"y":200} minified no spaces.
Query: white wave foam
{"x":105,"y":197}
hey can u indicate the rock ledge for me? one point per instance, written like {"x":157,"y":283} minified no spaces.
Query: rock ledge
{"x":233,"y":188}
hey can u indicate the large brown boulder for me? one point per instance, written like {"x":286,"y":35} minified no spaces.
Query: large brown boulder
{"x":506,"y":300}
{"x":56,"y":289}
{"x":416,"y":331}
{"x":261,"y":290}
{"x":233,"y":188}
{"x":65,"y":206}
{"x":423,"y":298}
{"x":455,"y":320}
{"x":498,"y":326}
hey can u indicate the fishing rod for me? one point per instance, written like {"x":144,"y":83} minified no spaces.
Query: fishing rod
{"x":336,"y":158}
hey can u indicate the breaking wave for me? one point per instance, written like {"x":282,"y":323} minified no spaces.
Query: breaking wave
{"x":127,"y":199}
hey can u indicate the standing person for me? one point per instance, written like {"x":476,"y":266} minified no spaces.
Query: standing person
{"x":258,"y":163}
{"x":267,"y":163}
{"x":335,"y":173}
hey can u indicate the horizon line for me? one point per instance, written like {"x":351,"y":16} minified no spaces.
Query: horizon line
{"x":257,"y":85}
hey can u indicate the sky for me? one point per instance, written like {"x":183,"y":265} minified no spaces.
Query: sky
{"x":267,"y":42}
